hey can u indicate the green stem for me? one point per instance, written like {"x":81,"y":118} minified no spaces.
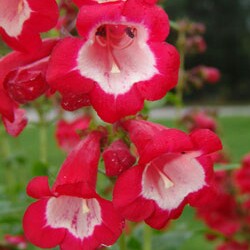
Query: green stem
{"x":43,"y":137}
{"x":122,"y":242}
{"x":147,"y":238}
{"x":181,"y":83}
{"x":43,"y":142}
{"x":174,"y":25}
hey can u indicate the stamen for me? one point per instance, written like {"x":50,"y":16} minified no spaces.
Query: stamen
{"x":20,"y":7}
{"x":85,"y":208}
{"x":114,"y":37}
{"x":115,"y":69}
{"x":167,"y":182}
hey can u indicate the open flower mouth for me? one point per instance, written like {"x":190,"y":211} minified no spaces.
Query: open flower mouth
{"x":115,"y":37}
{"x":116,"y":56}
{"x":170,"y":178}
{"x":79,"y":216}
{"x":13,"y":15}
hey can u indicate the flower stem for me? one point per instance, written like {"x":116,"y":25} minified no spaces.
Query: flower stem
{"x":147,"y":238}
{"x":43,"y":142}
{"x":181,"y":83}
{"x":122,"y":242}
{"x":43,"y":138}
{"x":174,"y":25}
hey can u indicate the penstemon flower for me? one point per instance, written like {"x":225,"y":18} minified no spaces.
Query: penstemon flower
{"x":21,"y":21}
{"x":173,"y":169}
{"x":72,"y":214}
{"x":68,"y":134}
{"x":23,"y":75}
{"x":121,"y":60}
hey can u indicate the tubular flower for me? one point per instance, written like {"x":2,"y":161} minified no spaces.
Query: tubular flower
{"x":68,"y":134}
{"x":80,"y":3}
{"x":173,"y":169}
{"x":21,"y":21}
{"x":71,"y":214}
{"x":117,"y":158}
{"x":121,"y":61}
{"x":23,"y":75}
{"x":13,"y":118}
{"x":242,"y":175}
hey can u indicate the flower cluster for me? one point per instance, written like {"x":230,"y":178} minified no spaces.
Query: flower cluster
{"x":119,"y":60}
{"x":229,"y":215}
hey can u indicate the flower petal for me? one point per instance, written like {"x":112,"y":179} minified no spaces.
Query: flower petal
{"x":20,"y":121}
{"x":36,"y":228}
{"x":81,"y":164}
{"x":38,"y":187}
{"x":206,"y":140}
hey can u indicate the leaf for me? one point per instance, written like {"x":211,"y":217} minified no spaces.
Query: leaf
{"x":40,"y":168}
{"x":232,"y":166}
{"x":170,"y":240}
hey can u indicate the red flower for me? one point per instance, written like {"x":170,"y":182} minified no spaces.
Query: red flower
{"x":210,"y":74}
{"x":19,"y":122}
{"x":18,"y":241}
{"x":242,"y":176}
{"x":68,"y":134}
{"x":233,"y":245}
{"x":117,"y":158}
{"x":71,"y":214}
{"x":21,"y":21}
{"x":84,"y":2}
{"x":223,"y":214}
{"x":173,"y":170}
{"x":195,"y":119}
{"x":23,"y":75}
{"x":121,"y":61}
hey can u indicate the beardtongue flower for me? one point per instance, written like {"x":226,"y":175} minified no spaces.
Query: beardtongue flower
{"x":233,"y":245}
{"x":71,"y":214}
{"x":84,"y":2}
{"x":21,"y":21}
{"x":19,"y":122}
{"x":221,"y":215}
{"x":242,"y":175}
{"x":17,"y":241}
{"x":121,"y":61}
{"x":68,"y":134}
{"x":117,"y":158}
{"x":210,"y":74}
{"x":23,"y":75}
{"x":173,"y":170}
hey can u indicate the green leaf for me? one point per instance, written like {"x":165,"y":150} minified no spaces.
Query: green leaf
{"x":232,"y":166}
{"x":40,"y":168}
{"x":171,"y":240}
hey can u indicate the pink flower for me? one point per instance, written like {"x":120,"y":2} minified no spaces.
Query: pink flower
{"x":18,"y":241}
{"x":13,"y":118}
{"x":173,"y":170}
{"x":80,"y":3}
{"x":210,"y":74}
{"x":117,"y":158}
{"x":121,"y":60}
{"x":233,"y":245}
{"x":21,"y":21}
{"x":197,"y":119}
{"x":242,"y":176}
{"x":71,"y":214}
{"x":68,"y":134}
{"x":221,"y":215}
{"x":23,"y":75}
{"x":196,"y":44}
{"x":19,"y":122}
